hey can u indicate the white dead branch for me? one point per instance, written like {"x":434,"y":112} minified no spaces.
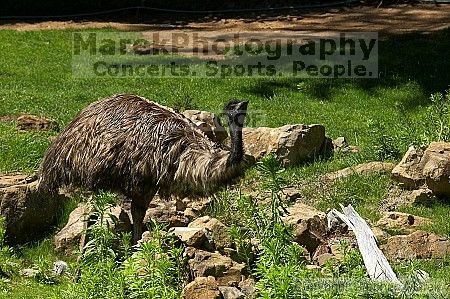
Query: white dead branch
{"x":376,"y":263}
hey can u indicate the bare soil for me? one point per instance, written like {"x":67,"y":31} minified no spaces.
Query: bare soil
{"x":386,"y":20}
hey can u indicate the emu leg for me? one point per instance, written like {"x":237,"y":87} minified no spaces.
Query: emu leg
{"x":138,"y":208}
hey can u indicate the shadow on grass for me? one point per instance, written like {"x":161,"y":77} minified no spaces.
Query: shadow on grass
{"x":420,"y":58}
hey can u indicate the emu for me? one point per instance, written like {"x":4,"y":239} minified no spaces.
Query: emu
{"x":130,"y":145}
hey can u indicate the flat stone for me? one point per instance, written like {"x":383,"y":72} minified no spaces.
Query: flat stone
{"x":402,"y":221}
{"x":202,"y":288}
{"x":417,"y":245}
{"x":360,"y":169}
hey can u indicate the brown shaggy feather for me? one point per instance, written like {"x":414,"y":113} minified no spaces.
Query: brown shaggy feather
{"x":128,"y":144}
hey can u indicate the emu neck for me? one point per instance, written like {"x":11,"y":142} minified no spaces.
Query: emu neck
{"x":237,"y":148}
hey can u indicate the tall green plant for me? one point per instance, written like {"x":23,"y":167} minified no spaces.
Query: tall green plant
{"x":154,"y":269}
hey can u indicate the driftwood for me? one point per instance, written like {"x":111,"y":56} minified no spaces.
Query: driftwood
{"x":374,"y":259}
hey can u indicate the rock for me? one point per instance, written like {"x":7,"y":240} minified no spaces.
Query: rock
{"x":146,"y":237}
{"x":176,"y":213}
{"x":248,"y":287}
{"x":292,"y":194}
{"x":122,"y":222}
{"x":340,"y":144}
{"x":165,"y":212}
{"x":437,"y":167}
{"x":71,"y":234}
{"x":418,"y":245}
{"x":28,"y":122}
{"x":409,"y":172}
{"x":431,"y":166}
{"x":201,"y":288}
{"x":223,"y":268}
{"x":336,"y":251}
{"x":59,"y":267}
{"x":192,"y":237}
{"x":290,"y":143}
{"x":28,"y":214}
{"x":360,"y":169}
{"x":380,"y":234}
{"x":309,"y":225}
{"x":397,"y":197}
{"x":231,"y":293}
{"x":402,"y":221}
{"x":209,"y":123}
{"x":324,"y":258}
{"x":420,"y":196}
{"x":219,"y":232}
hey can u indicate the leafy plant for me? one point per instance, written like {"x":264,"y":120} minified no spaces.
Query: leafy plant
{"x":154,"y":269}
{"x":437,"y":119}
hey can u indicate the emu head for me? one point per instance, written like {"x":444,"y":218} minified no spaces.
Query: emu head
{"x":236,"y":111}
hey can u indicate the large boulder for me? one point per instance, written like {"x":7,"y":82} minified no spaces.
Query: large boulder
{"x":70,"y":236}
{"x":418,"y":245}
{"x":209,"y":123}
{"x":430,"y":167}
{"x":28,"y":213}
{"x":437,"y":167}
{"x":409,"y":172}
{"x":290,"y":143}
{"x":309,"y":225}
{"x":231,"y":293}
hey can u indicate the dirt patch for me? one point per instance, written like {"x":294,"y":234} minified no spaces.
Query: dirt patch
{"x":8,"y":118}
{"x":392,"y":20}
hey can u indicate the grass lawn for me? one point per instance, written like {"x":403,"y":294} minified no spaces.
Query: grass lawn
{"x":381,"y":116}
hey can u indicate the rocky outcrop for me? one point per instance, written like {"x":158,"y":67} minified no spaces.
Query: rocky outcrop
{"x":290,"y":143}
{"x":231,"y":293}
{"x":418,"y":245}
{"x":28,"y":214}
{"x":28,"y":122}
{"x":209,"y":123}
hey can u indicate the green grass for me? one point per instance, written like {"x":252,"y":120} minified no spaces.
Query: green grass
{"x":381,"y":116}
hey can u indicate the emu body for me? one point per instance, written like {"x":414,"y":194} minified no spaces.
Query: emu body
{"x":130,"y":145}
